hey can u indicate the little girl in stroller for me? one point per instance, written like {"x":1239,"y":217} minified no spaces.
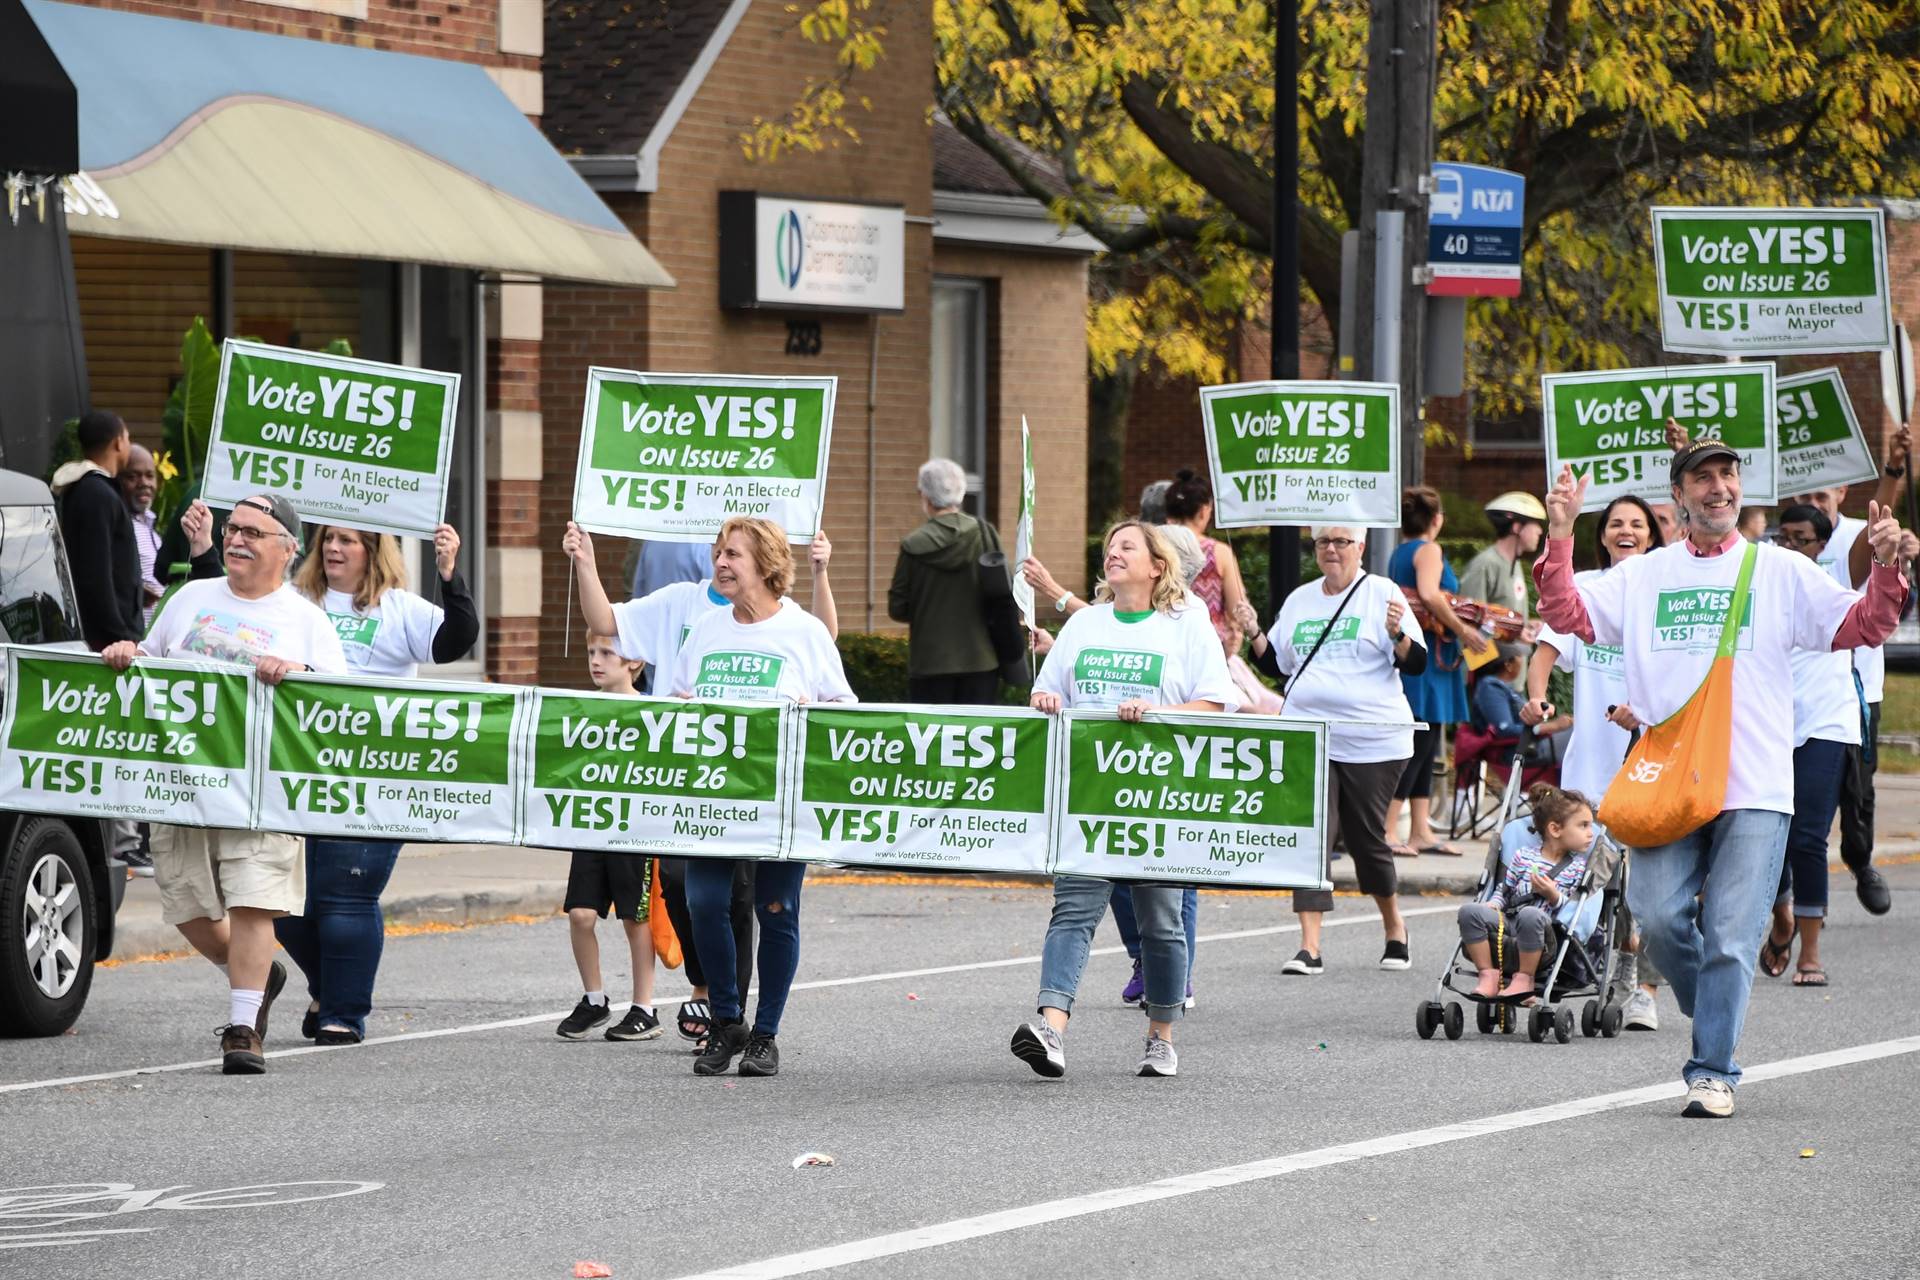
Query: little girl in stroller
{"x":1541,"y":876}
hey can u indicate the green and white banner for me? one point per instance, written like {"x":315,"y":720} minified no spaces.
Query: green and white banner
{"x":1210,"y":799}
{"x":163,"y":741}
{"x":930,"y":788}
{"x":346,"y":441}
{"x":1772,"y":281}
{"x":393,"y":760}
{"x":1303,"y":453}
{"x":657,"y":775}
{"x":670,"y":456}
{"x":1611,"y":425}
{"x":1821,"y":444}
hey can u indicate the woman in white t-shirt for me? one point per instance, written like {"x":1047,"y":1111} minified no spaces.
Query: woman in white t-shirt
{"x":765,"y":647}
{"x":385,"y":630}
{"x":1147,"y":646}
{"x":1603,"y":723}
{"x":1341,"y":647}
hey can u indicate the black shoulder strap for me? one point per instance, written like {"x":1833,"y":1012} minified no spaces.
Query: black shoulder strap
{"x":1324,"y":633}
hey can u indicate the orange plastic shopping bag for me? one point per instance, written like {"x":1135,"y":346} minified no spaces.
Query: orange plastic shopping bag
{"x":666,"y":943}
{"x":1674,"y":780}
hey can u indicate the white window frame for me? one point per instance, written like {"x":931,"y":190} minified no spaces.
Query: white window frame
{"x":977,"y":286}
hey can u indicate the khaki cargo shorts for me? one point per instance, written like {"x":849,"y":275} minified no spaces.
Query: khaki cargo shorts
{"x":202,"y":872}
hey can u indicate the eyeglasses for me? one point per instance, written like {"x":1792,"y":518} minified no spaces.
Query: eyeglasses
{"x":1795,"y":540}
{"x":1333,"y":544}
{"x":252,"y":535}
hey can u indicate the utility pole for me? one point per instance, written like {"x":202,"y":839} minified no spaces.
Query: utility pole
{"x":1395,"y":173}
{"x":1283,"y":360}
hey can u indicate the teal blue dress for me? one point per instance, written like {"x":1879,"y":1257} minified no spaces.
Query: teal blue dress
{"x":1438,"y":695}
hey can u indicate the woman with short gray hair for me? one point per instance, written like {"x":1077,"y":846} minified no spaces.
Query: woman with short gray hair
{"x":936,"y":592}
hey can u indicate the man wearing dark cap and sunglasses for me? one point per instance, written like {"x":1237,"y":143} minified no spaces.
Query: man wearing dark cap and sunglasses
{"x":1703,"y":900}
{"x":223,"y":889}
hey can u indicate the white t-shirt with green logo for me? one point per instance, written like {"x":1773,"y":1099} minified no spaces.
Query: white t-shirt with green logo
{"x":787,"y":655}
{"x":392,"y":638}
{"x":1660,"y":608}
{"x":652,"y":628}
{"x":1599,"y":681}
{"x":1352,"y":677}
{"x":1098,"y":660}
{"x":1869,"y":660}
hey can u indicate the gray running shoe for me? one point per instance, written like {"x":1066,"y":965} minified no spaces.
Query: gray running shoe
{"x":1708,"y":1098}
{"x":1159,"y":1059}
{"x":1040,"y":1047}
{"x":1640,"y":1013}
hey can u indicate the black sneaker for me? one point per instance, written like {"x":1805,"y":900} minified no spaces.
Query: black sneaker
{"x":724,"y":1041}
{"x":276,"y":983}
{"x":762,"y":1056}
{"x":1395,"y":956}
{"x":585,"y":1017}
{"x":637,"y":1025}
{"x":1304,"y":964}
{"x":1871,"y":888}
{"x":139,"y":862}
{"x":240,"y":1051}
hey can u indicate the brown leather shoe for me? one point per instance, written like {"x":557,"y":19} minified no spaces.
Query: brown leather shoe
{"x":240,"y":1050}
{"x":276,"y":982}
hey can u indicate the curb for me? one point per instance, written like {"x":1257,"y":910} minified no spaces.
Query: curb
{"x":134,"y":938}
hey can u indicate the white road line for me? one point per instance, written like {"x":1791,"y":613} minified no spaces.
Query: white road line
{"x":1033,"y":1215}
{"x":821,"y":984}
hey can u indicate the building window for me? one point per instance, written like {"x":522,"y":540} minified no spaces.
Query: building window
{"x":959,"y":380}
{"x":1514,"y":431}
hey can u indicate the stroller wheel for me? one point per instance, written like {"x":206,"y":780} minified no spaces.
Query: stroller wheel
{"x":1483,"y":1018}
{"x":1426,"y":1017}
{"x":1590,"y":1019}
{"x":1563,"y":1024}
{"x":1610,"y":1019}
{"x":1456,"y":1021}
{"x":1538,"y":1021}
{"x":1506,"y":1018}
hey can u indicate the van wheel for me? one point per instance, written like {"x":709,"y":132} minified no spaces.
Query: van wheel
{"x":47,"y":928}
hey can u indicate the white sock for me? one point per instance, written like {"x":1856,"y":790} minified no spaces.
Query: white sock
{"x":596,"y":997}
{"x":644,"y":1008}
{"x":243,"y":1007}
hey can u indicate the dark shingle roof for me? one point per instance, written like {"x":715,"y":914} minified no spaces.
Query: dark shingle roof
{"x":612,"y":66}
{"x":959,"y":165}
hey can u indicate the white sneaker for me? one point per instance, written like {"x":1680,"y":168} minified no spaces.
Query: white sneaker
{"x":1640,"y":1013}
{"x":1040,"y":1047}
{"x":1710,"y":1098}
{"x":1159,"y":1059}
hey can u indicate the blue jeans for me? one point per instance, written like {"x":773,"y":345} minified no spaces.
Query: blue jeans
{"x":1818,"y":766}
{"x":709,"y":902}
{"x":1129,"y":926}
{"x":1708,"y":948}
{"x":338,"y":939}
{"x":1078,"y":904}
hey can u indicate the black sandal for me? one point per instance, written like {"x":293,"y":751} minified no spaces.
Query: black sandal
{"x":1814,"y":977}
{"x":1774,"y":955}
{"x":694,"y":1020}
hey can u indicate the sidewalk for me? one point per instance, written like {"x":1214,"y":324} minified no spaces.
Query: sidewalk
{"x":459,"y":884}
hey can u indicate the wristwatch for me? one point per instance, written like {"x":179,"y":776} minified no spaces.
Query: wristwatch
{"x":1894,"y":473}
{"x":1060,"y":605}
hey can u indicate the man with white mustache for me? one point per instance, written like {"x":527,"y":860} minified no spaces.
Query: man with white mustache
{"x":1703,"y":900}
{"x":222,"y":889}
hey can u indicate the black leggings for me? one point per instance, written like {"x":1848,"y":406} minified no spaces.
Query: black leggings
{"x":1417,"y":781}
{"x":673,"y":877}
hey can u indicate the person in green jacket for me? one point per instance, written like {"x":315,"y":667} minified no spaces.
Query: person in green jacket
{"x":936,"y":592}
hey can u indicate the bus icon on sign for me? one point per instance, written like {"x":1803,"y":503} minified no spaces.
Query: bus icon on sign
{"x":1448,"y":198}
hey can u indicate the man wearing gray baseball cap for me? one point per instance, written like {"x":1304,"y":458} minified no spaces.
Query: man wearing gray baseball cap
{"x":1704,"y":899}
{"x":222,"y":889}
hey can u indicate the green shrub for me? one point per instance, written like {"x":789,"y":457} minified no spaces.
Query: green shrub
{"x":876,"y":665}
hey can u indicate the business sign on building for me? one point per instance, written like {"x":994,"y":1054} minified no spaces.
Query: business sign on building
{"x":811,"y":255}
{"x":1474,"y":220}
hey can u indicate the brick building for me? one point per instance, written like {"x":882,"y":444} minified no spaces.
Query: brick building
{"x":649,"y":102}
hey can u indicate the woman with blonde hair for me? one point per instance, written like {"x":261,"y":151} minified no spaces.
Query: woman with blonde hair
{"x":762,"y":648}
{"x":385,"y":630}
{"x":1143,"y":608}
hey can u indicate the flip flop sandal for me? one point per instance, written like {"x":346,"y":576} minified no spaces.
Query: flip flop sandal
{"x":694,"y":1019}
{"x":1444,"y":850}
{"x":1400,"y":850}
{"x":1810,"y":978}
{"x":1774,"y":955}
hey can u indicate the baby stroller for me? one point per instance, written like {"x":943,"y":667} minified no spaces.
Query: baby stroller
{"x":1577,"y":962}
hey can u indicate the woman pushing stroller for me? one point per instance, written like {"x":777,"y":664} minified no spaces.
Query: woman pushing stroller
{"x":1541,"y":877}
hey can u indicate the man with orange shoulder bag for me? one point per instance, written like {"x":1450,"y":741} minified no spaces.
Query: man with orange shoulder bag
{"x":1707,"y":627}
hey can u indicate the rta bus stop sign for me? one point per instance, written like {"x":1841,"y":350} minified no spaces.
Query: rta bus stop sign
{"x":1473,"y":231}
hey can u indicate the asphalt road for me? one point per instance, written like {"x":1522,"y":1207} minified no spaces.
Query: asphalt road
{"x":1309,"y":1132}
